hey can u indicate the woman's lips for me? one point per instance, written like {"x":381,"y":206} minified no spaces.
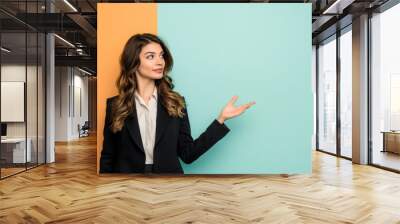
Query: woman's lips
{"x":158,"y":70}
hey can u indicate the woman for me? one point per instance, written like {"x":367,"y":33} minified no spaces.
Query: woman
{"x":147,"y":126}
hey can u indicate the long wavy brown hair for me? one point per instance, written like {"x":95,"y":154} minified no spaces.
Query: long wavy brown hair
{"x":124,"y":105}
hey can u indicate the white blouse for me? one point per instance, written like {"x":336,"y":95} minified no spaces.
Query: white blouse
{"x":147,"y":115}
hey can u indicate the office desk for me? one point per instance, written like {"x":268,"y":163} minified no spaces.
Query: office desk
{"x":391,"y":141}
{"x":13,"y":150}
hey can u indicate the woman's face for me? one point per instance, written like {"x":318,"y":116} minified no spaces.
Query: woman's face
{"x":151,"y":61}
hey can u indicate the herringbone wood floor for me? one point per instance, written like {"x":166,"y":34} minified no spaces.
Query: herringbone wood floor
{"x":70,"y":191}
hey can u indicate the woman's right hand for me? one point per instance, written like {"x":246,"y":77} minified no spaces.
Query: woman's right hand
{"x":230,"y":111}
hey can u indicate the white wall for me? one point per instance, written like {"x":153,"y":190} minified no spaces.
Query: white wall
{"x":61,"y":103}
{"x":80,"y":83}
{"x":71,"y":93}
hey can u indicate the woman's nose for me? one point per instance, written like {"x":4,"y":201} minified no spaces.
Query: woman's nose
{"x":160,"y":61}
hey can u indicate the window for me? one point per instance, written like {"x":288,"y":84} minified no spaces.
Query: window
{"x":346,"y":92}
{"x":385,"y":88}
{"x":327,"y":96}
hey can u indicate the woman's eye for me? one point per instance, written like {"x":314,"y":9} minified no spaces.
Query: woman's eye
{"x":150,"y":57}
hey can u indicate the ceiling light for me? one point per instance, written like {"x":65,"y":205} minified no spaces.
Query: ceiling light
{"x":338,"y":6}
{"x":64,"y":40}
{"x":84,"y":71}
{"x":5,"y":50}
{"x":70,"y":5}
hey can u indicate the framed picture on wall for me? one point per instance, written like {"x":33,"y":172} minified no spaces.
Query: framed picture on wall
{"x":12,"y":101}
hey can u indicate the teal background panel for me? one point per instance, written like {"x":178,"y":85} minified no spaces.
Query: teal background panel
{"x":260,"y":52}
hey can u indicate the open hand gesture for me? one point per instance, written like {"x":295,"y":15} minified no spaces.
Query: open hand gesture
{"x":230,"y":110}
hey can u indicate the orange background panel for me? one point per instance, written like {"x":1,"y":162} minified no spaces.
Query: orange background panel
{"x":116,"y":23}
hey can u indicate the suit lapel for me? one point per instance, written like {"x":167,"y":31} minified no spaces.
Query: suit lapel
{"x":132,"y":125}
{"x":162,"y":122}
{"x":163,"y":119}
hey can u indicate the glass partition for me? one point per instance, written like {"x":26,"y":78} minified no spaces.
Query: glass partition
{"x":22,"y":88}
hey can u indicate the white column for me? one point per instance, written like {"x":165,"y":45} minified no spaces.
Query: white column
{"x":50,"y":92}
{"x":50,"y":100}
{"x":360,"y":90}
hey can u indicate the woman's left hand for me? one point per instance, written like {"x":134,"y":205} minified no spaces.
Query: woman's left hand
{"x":231,"y":111}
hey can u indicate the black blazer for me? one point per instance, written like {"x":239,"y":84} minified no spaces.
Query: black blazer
{"x":123,"y":151}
